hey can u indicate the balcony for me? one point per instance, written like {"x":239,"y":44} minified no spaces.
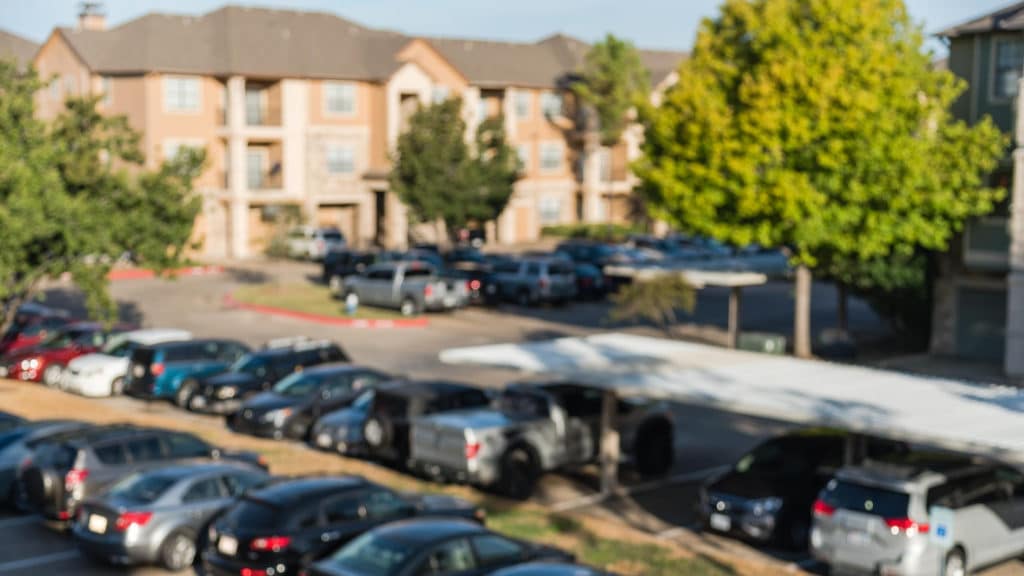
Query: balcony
{"x":263,"y":168}
{"x":987,"y":244}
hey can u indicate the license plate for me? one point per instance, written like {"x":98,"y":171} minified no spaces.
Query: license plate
{"x":858,"y":538}
{"x":97,"y":524}
{"x":323,"y":440}
{"x":227,"y":546}
{"x":721,"y":522}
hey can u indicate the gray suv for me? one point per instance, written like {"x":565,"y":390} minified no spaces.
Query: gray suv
{"x":533,"y":281}
{"x":938,"y":515}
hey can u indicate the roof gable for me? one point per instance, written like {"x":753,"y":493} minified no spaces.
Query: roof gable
{"x":1010,"y":18}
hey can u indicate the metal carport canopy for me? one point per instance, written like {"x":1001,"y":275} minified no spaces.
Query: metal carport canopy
{"x":981,"y":419}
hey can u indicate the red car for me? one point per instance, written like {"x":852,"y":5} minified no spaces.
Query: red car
{"x":32,"y":325}
{"x":46,"y":361}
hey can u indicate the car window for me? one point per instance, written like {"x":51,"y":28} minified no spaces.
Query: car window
{"x":307,"y":518}
{"x":782,"y":456}
{"x":203,"y":491}
{"x":145,"y":449}
{"x":559,"y":268}
{"x":332,"y":235}
{"x":230,"y":352}
{"x":252,"y":514}
{"x":371,"y":555}
{"x":866,"y":499}
{"x":339,"y":386}
{"x":383,"y":503}
{"x":493,"y":549}
{"x":334,"y":354}
{"x":186,"y":446}
{"x":384,"y":274}
{"x":251,"y":364}
{"x":507,"y":268}
{"x":297,"y":385}
{"x":183,"y":352}
{"x":449,"y":558}
{"x":345,"y":508}
{"x":111,"y":454}
{"x":142,"y":488}
{"x":367,"y":380}
{"x":533,"y":269}
{"x":471,"y":399}
{"x":417,"y":273}
{"x":237,"y":483}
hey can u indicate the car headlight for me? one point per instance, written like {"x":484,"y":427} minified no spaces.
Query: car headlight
{"x":766,"y":506}
{"x":278,"y":416}
{"x":227,"y":392}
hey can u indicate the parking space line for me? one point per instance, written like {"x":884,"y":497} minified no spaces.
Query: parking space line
{"x":11,"y":522}
{"x":39,"y":561}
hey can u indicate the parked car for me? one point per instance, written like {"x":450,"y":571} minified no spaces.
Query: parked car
{"x":314,"y":243}
{"x":154,"y":517}
{"x":476,"y":279}
{"x":432,"y":546}
{"x":103,"y":373}
{"x":342,"y":430}
{"x":587,"y":251}
{"x":8,"y":421}
{"x":549,"y":569}
{"x":32,"y":324}
{"x":410,"y":287}
{"x":767,"y":495}
{"x":46,"y":361}
{"x":590,"y":281}
{"x":531,"y":281}
{"x":285,"y":527}
{"x":158,"y":370}
{"x":952,"y":515}
{"x":340,"y":264}
{"x":291,"y":407}
{"x":18,"y":444}
{"x":396,"y":404}
{"x":464,"y":257}
{"x":532,"y":429}
{"x":254,"y":373}
{"x":71,"y":467}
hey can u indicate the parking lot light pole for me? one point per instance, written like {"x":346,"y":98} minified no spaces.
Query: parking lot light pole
{"x":609,"y":443}
{"x":735,"y":307}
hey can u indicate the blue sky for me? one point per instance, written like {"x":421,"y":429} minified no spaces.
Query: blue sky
{"x":650,"y":23}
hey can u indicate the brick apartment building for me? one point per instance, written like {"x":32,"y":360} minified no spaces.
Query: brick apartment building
{"x":303,"y":108}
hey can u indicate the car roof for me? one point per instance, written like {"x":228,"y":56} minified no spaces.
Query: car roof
{"x":423,"y":388}
{"x":78,"y":437}
{"x":922,"y":470}
{"x":181,"y":343}
{"x":182,"y":470}
{"x":291,"y":492}
{"x":333,"y":368}
{"x":426,"y":530}
{"x":157,"y":335}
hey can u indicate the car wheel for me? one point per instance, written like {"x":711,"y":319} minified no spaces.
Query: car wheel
{"x":654,"y":448}
{"x":52,"y":375}
{"x":117,"y":386}
{"x":409,"y":307}
{"x":376,"y":432}
{"x":184,"y":393}
{"x":520,"y":471}
{"x":178,"y":552}
{"x":523,"y":298}
{"x":955,"y":564}
{"x":797,"y":534}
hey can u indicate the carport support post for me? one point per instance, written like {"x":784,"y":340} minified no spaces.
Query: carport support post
{"x":735,"y":305}
{"x":609,"y":444}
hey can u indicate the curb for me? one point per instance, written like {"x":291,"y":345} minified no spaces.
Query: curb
{"x":421,"y":322}
{"x":145,"y":274}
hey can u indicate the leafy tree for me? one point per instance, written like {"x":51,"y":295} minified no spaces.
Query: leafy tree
{"x":613,"y":81}
{"x":441,"y":179}
{"x":655,"y":300}
{"x":818,"y":126}
{"x":74,"y":197}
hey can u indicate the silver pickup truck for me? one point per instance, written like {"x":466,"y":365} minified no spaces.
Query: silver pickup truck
{"x":411,"y":287}
{"x":532,"y":429}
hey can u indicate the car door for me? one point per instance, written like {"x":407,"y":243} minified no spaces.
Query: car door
{"x":335,"y":393}
{"x":452,"y":558}
{"x":1003,"y":496}
{"x":345,"y":516}
{"x":201,"y":500}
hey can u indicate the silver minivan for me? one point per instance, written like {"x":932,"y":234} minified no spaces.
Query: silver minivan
{"x":943,"y":516}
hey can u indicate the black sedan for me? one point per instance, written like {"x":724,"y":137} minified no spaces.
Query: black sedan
{"x":291,"y":407}
{"x":432,"y":546}
{"x":284,"y":528}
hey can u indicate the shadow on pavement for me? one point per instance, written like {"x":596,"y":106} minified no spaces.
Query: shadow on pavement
{"x":73,"y":301}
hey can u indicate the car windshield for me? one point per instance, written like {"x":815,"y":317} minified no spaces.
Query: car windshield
{"x":142,"y":488}
{"x":522,"y":404}
{"x":332,"y":235}
{"x":59,"y":340}
{"x":774,"y":457}
{"x":120,"y":347}
{"x":866,"y":499}
{"x":248,"y":364}
{"x":298,"y":385}
{"x":371,"y":555}
{"x":363,"y":401}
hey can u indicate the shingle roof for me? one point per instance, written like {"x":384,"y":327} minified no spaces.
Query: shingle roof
{"x":1005,"y":19}
{"x":259,"y":42}
{"x":16,"y":47}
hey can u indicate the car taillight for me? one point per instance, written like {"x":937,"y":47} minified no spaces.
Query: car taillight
{"x":428,"y":290}
{"x":128,"y":519}
{"x":253,"y":572}
{"x":156,"y":369}
{"x":271,"y":543}
{"x":907,"y":525}
{"x":823,"y":509}
{"x":75,"y":478}
{"x":472,"y":449}
{"x":474,"y":284}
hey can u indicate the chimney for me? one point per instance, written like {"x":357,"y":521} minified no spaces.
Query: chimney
{"x":91,"y":16}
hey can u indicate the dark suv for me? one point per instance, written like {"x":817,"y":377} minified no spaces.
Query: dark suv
{"x":68,"y":468}
{"x":158,"y":370}
{"x":286,"y":527}
{"x":254,"y":373}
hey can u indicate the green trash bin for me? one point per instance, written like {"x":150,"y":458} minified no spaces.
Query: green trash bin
{"x":762,"y":342}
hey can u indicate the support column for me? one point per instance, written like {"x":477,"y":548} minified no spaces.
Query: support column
{"x":1014,"y":358}
{"x":609,"y":443}
{"x":237,"y":186}
{"x":735,"y":306}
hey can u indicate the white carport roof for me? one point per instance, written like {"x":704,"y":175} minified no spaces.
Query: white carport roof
{"x":955,"y":415}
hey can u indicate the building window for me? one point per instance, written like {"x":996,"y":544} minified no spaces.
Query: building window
{"x":108,"y":90}
{"x":524,"y":105}
{"x":550,"y":209}
{"x":254,"y":106}
{"x":1009,"y":61}
{"x":255,"y":167}
{"x":551,"y":157}
{"x":181,"y":94}
{"x":605,"y":162}
{"x":484,"y":110}
{"x":551,"y":104}
{"x":341,"y":159}
{"x":69,"y":85}
{"x":523,"y":152}
{"x":55,"y":89}
{"x":440,"y":94}
{"x":339,"y":99}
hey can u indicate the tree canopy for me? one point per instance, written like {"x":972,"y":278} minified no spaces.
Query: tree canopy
{"x":75,"y":197}
{"x":613,"y":81}
{"x":441,"y":177}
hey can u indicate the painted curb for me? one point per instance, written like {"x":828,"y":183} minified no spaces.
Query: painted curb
{"x":421,"y":322}
{"x":144,"y":274}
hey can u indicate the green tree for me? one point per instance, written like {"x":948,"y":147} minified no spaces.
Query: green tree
{"x":656,"y":300}
{"x":613,"y":81}
{"x":74,"y":198}
{"x":819,"y":126}
{"x":442,"y":179}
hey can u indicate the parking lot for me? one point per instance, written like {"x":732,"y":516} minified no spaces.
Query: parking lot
{"x":706,"y":439}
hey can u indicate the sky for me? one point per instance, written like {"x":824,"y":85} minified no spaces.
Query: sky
{"x":670,"y":24}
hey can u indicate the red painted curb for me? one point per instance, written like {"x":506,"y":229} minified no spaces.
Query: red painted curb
{"x":143,"y":274}
{"x":421,"y":322}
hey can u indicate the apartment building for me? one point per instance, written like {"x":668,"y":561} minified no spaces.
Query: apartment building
{"x":301,"y":109}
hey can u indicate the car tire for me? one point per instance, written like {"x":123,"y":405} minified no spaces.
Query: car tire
{"x":520,"y":471}
{"x":409,"y":307}
{"x":183,"y":397}
{"x":955,"y":563}
{"x":523,"y":298}
{"x":178,"y":552}
{"x":52,"y":375}
{"x":377,"y":432}
{"x":654,"y":448}
{"x":117,"y":386}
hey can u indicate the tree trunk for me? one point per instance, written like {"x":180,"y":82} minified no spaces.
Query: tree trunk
{"x":842,"y":313}
{"x":802,"y":313}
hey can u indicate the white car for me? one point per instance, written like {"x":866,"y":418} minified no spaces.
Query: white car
{"x":314,"y":243}
{"x":102,"y":373}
